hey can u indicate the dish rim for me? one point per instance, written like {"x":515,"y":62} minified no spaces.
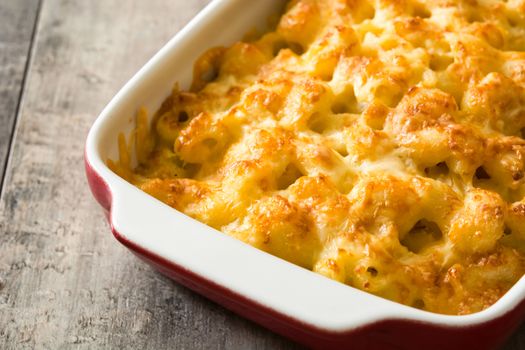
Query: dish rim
{"x":122,"y":204}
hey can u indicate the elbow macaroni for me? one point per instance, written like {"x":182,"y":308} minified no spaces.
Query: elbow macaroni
{"x":376,"y":142}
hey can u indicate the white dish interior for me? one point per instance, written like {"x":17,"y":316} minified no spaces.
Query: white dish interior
{"x":263,"y":278}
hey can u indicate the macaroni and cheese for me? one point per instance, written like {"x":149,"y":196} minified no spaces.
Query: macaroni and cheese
{"x":376,"y":142}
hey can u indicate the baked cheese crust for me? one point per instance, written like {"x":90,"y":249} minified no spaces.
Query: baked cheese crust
{"x":376,"y":142}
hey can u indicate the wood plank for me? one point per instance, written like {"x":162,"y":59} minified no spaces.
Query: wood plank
{"x":17,"y":20}
{"x":66,"y":281}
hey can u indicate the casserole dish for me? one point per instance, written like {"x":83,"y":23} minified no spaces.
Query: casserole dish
{"x":283,"y":297}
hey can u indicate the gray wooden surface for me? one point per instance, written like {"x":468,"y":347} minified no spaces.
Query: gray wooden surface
{"x":17,"y":23}
{"x":64,"y":281}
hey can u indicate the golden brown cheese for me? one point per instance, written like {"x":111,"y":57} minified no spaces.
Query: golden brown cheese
{"x":376,"y":142}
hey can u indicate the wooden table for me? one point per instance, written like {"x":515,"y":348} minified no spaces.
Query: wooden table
{"x":65,"y":282}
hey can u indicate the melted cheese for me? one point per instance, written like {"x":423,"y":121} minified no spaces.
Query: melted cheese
{"x":376,"y":142}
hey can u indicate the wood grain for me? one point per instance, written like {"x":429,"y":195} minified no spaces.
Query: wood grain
{"x":17,"y":20}
{"x":64,"y":281}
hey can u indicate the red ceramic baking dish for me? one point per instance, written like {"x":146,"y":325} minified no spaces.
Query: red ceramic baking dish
{"x":306,"y":307}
